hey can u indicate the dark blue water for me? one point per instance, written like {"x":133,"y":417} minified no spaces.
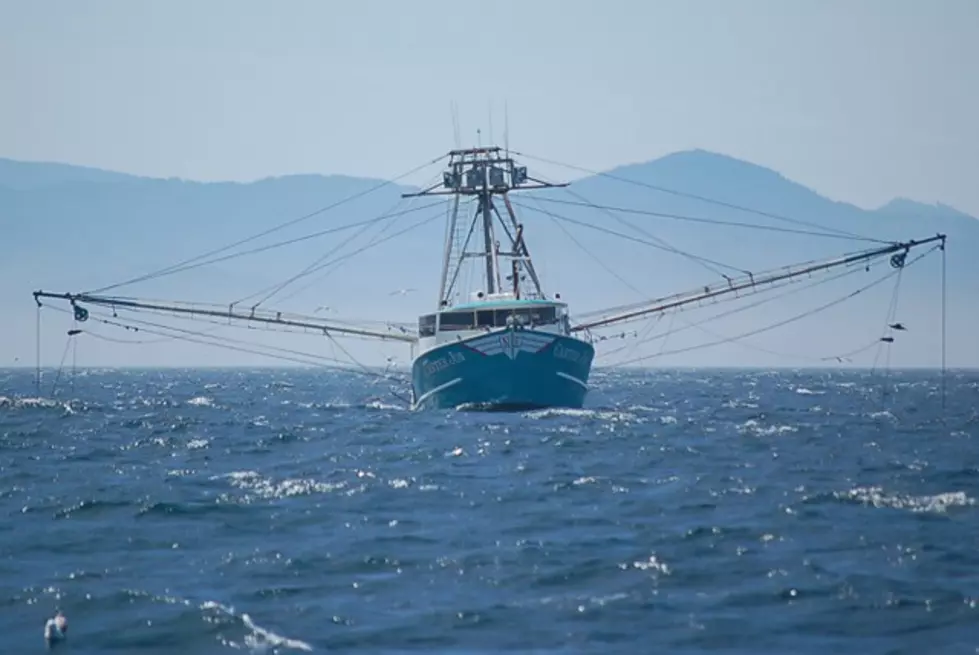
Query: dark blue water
{"x":684,"y":512}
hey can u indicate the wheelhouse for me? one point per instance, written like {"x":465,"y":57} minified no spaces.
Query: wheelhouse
{"x":488,"y":316}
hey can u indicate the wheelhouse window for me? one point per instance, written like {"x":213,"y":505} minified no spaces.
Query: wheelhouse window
{"x":522,"y":315}
{"x":448,"y":321}
{"x":426,"y":326}
{"x":458,"y":320}
{"x":485,"y":318}
{"x":490,"y":318}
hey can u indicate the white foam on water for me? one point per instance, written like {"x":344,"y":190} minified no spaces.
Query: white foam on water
{"x":936,"y":503}
{"x":263,"y":487}
{"x":259,"y":639}
{"x":602,"y":415}
{"x":755,"y":427}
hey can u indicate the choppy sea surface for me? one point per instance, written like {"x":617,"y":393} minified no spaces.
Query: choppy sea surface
{"x":284,"y":511}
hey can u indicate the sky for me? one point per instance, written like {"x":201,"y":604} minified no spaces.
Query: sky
{"x":861,"y":100}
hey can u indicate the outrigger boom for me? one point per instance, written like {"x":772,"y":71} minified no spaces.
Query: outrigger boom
{"x":267,"y":317}
{"x":898,"y":250}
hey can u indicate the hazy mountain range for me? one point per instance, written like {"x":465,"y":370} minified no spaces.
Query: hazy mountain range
{"x":70,"y":228}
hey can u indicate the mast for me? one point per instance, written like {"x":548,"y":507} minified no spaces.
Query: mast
{"x":482,"y":173}
{"x":450,"y":230}
{"x":485,"y":209}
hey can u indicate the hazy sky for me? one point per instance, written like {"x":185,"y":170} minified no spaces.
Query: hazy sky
{"x":862,"y":100}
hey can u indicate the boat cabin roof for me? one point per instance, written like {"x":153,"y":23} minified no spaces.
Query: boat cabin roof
{"x":511,"y":303}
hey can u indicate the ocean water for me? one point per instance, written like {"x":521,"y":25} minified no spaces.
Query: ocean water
{"x":284,"y":511}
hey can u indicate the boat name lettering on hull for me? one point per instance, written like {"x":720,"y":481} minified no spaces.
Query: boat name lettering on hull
{"x":570,"y":354}
{"x":442,"y":363}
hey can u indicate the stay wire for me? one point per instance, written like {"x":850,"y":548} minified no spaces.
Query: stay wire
{"x":101,"y":318}
{"x":864,"y":258}
{"x":272,"y":246}
{"x":743,"y":308}
{"x":203,"y":338}
{"x":389,"y":214}
{"x":61,"y":366}
{"x":778,"y":324}
{"x":342,"y":258}
{"x":281,"y":226}
{"x":884,"y":347}
{"x":698,"y":197}
{"x":608,"y":269}
{"x":737,"y":310}
{"x":944,"y":305}
{"x":37,"y":381}
{"x":74,"y":361}
{"x":367,"y":370}
{"x":708,"y":221}
{"x":134,"y":342}
{"x":361,"y":249}
{"x":628,"y":237}
{"x":608,"y":211}
{"x":776,"y":353}
{"x":309,"y":359}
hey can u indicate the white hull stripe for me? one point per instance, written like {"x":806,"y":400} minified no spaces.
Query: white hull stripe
{"x":573,"y":379}
{"x":510,"y":343}
{"x":442,"y":387}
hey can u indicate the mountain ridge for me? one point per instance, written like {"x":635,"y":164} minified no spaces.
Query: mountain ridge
{"x":38,"y":175}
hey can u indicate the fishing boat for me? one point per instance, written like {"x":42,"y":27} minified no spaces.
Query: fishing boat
{"x":504,"y":345}
{"x":507,"y":346}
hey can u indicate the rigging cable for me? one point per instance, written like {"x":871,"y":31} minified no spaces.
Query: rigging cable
{"x":885,"y":340}
{"x":751,"y":346}
{"x":944,"y":369}
{"x":103,"y":318}
{"x":666,"y":244}
{"x":376,"y":241}
{"x":383,"y":375}
{"x":272,"y":291}
{"x":37,"y":379}
{"x":608,"y":269}
{"x":203,"y":338}
{"x":694,"y":196}
{"x":701,"y":219}
{"x":405,"y":230}
{"x":61,"y":366}
{"x":759,"y":288}
{"x":277,"y":244}
{"x":783,"y":322}
{"x":757,"y":303}
{"x":74,"y":358}
{"x":202,"y":314}
{"x":138,"y":342}
{"x":628,"y":237}
{"x":631,"y":348}
{"x":607,"y":210}
{"x":179,"y":266}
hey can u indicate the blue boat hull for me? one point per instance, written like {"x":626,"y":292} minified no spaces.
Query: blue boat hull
{"x":508,"y":370}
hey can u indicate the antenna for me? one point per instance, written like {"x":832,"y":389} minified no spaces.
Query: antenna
{"x":489,"y":109}
{"x":506,"y":129}
{"x":455,"y":124}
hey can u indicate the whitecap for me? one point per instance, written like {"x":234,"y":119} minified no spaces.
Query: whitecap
{"x":936,"y":503}
{"x":754,"y":427}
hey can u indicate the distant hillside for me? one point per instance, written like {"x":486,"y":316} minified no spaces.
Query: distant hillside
{"x":25,"y":176}
{"x":70,"y":228}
